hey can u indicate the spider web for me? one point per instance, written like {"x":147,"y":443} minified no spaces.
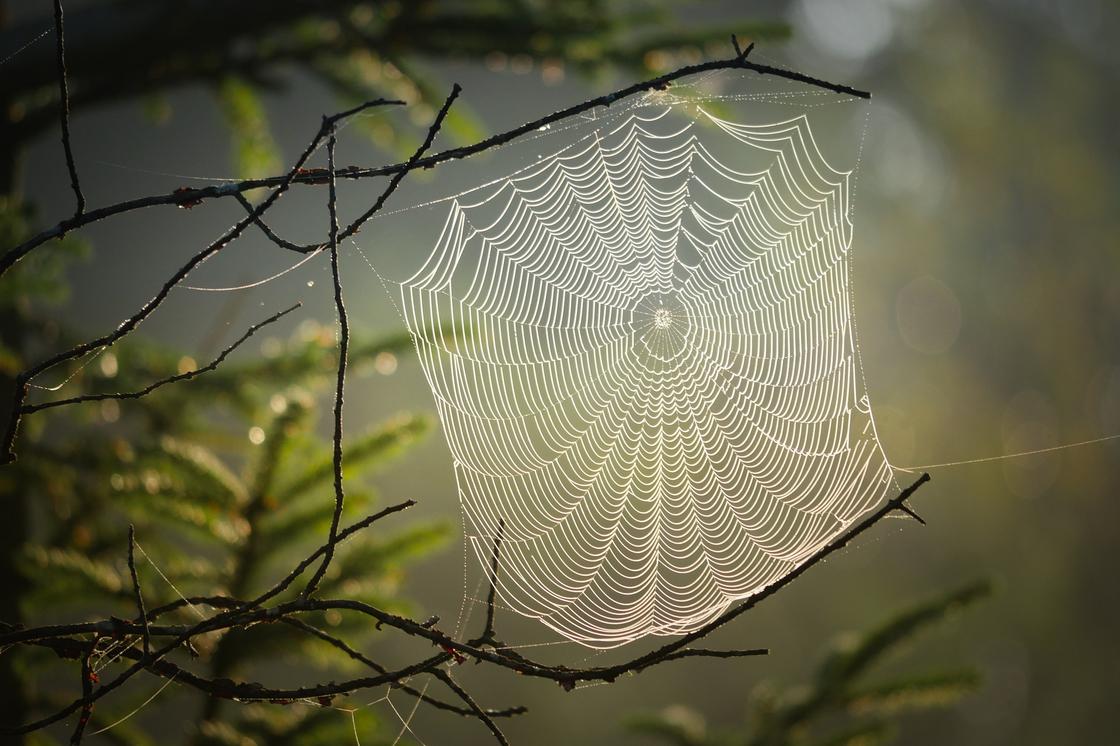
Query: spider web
{"x":656,"y":390}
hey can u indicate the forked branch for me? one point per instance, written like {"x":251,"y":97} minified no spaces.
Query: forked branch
{"x":150,"y":641}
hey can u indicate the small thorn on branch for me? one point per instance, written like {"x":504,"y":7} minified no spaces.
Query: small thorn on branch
{"x":903,"y":507}
{"x":740,"y":53}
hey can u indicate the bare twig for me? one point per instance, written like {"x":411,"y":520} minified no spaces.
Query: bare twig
{"x":365,"y":660}
{"x":64,"y":109}
{"x":488,"y":632}
{"x":741,"y":54}
{"x":412,"y":163}
{"x":340,"y":307}
{"x":271,"y":234}
{"x":342,"y":536}
{"x":142,"y":614}
{"x":705,"y":653}
{"x":87,"y":688}
{"x":68,"y":640}
{"x":903,"y":507}
{"x":251,"y":613}
{"x":196,"y":195}
{"x":7,"y":455}
{"x":481,"y":714}
{"x":340,"y":383}
{"x":212,"y":365}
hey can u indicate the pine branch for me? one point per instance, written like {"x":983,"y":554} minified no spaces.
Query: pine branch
{"x":233,"y":614}
{"x":253,"y":612}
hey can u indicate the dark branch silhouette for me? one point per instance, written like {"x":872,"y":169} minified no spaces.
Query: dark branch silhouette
{"x":243,"y":614}
{"x":79,"y":640}
{"x":142,"y":614}
{"x":212,"y":365}
{"x":7,"y":455}
{"x":340,"y":307}
{"x":193,"y":196}
{"x":64,"y":113}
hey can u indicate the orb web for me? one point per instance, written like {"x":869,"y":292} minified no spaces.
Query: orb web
{"x":655,"y":388}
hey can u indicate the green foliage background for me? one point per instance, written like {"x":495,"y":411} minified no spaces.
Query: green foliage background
{"x":990,"y":165}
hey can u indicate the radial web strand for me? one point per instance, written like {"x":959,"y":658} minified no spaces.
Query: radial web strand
{"x":655,"y":386}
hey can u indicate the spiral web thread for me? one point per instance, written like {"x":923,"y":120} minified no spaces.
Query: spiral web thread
{"x":656,"y":390}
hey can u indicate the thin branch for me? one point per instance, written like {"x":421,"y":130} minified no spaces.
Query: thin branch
{"x":194,"y":196}
{"x":486,"y":719}
{"x":142,"y":614}
{"x":87,"y":688}
{"x":212,"y":365}
{"x":271,"y":234}
{"x":412,"y":163}
{"x":340,"y":383}
{"x":705,"y":653}
{"x":64,"y":109}
{"x":903,"y":507}
{"x":227,"y":689}
{"x":488,"y":632}
{"x":342,"y":536}
{"x":365,"y":660}
{"x":7,"y":454}
{"x":344,"y":329}
{"x":223,"y":621}
{"x":566,"y":677}
{"x":741,"y":54}
{"x":119,"y":628}
{"x":820,"y":555}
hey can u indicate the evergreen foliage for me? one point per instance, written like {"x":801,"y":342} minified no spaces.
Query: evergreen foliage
{"x":838,"y":707}
{"x":215,"y":513}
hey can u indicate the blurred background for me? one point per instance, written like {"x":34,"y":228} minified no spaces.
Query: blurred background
{"x":986,"y":265}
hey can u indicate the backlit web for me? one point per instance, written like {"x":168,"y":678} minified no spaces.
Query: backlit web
{"x":656,"y":387}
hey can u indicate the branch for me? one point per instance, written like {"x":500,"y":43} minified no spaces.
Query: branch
{"x":251,"y":613}
{"x":64,"y":115}
{"x":705,"y":653}
{"x":7,"y":455}
{"x":212,"y":365}
{"x":194,"y":196}
{"x":221,"y":621}
{"x":416,"y":160}
{"x":271,"y":235}
{"x":344,"y":328}
{"x":568,"y":677}
{"x":486,"y":719}
{"x":228,"y":689}
{"x":87,"y":687}
{"x":343,"y":350}
{"x":143,"y":615}
{"x":361,"y":658}
{"x":57,"y":637}
{"x":488,"y":632}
